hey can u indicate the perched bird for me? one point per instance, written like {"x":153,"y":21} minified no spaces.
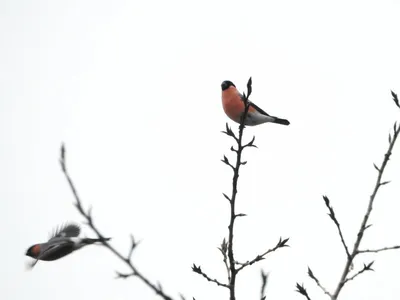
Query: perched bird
{"x":63,"y":241}
{"x":232,"y":102}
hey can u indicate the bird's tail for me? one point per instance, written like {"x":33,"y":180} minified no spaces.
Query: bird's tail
{"x":281,"y":121}
{"x":89,"y":241}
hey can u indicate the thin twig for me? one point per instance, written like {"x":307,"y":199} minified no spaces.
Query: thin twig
{"x":87,"y":215}
{"x":280,"y":244}
{"x":366,"y":268}
{"x":311,"y":274}
{"x":228,"y":271}
{"x":197,"y":269}
{"x":334,"y":219}
{"x":224,"y":249}
{"x":264,"y":281}
{"x":378,"y":250}
{"x":302,"y":290}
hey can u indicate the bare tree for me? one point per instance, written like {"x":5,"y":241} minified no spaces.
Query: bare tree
{"x":355,"y":251}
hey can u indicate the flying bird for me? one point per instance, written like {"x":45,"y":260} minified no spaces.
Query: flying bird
{"x":63,"y":241}
{"x":233,"y":104}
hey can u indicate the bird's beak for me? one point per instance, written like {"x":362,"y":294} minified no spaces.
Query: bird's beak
{"x":27,"y":252}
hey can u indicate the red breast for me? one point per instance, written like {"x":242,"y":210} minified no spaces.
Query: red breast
{"x":35,"y":250}
{"x":233,"y":104}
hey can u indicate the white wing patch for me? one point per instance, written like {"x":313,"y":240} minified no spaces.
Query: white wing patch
{"x":256,"y":118}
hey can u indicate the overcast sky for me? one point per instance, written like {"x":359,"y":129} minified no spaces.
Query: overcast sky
{"x":133,"y":89}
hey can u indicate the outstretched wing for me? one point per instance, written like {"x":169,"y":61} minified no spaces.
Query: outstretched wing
{"x":66,"y":230}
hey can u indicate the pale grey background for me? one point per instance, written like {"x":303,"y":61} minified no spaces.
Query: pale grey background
{"x":133,"y":89}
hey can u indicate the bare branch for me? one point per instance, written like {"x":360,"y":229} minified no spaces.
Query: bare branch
{"x":280,"y":244}
{"x":226,"y":197}
{"x":240,"y":215}
{"x":134,"y":244}
{"x":364,"y":269}
{"x":378,"y":250}
{"x":228,"y":131}
{"x":264,"y":281}
{"x":224,"y":250}
{"x":332,"y":215}
{"x":197,"y":269}
{"x":311,"y":274}
{"x":251,"y":143}
{"x":226,"y":161}
{"x":88,"y":217}
{"x":124,"y":275}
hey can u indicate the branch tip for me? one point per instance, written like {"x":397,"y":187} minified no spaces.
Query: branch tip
{"x":395,"y":99}
{"x":302,"y":290}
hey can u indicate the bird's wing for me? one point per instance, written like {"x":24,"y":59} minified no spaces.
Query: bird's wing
{"x":255,"y":107}
{"x":50,"y":249}
{"x":258,"y":109}
{"x":65,"y":230}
